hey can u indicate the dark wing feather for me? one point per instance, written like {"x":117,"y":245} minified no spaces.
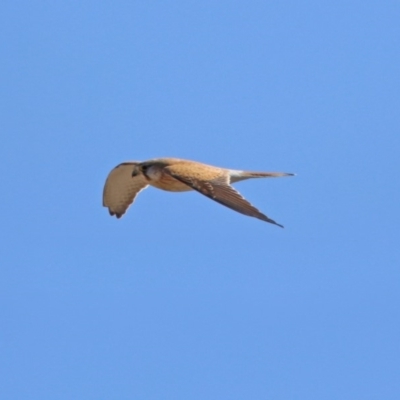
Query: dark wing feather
{"x":220,"y":191}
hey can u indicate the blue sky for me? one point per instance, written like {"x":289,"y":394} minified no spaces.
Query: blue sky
{"x":183,"y":298}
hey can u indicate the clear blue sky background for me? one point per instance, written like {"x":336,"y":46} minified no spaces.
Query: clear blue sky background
{"x":183,"y":298}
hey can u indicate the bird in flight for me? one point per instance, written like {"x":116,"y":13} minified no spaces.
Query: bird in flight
{"x":127,"y":179}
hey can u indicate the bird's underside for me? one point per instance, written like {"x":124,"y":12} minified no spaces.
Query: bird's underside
{"x":127,"y":179}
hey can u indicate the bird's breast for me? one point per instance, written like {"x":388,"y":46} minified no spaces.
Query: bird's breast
{"x":161,"y":180}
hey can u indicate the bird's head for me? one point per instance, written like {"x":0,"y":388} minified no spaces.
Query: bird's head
{"x":136,"y":170}
{"x":142,"y":168}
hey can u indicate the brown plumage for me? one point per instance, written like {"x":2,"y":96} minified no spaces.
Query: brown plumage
{"x":126,"y":180}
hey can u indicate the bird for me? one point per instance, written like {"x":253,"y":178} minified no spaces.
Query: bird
{"x":126,"y":180}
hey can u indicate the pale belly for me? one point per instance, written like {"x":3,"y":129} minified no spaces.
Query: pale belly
{"x":171,"y":185}
{"x":166,"y":182}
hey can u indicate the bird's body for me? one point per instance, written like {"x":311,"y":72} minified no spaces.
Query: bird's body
{"x":160,"y":180}
{"x":126,"y":180}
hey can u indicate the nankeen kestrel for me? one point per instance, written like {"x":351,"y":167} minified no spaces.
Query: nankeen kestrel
{"x":127,"y":179}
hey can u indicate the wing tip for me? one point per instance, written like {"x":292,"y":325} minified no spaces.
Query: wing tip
{"x":263,"y":217}
{"x":274,"y":223}
{"x":117,"y":214}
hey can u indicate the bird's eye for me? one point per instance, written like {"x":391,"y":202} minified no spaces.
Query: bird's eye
{"x":144,"y":168}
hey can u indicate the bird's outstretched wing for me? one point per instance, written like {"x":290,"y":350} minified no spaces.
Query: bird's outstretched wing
{"x":121,"y":188}
{"x":218,"y":189}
